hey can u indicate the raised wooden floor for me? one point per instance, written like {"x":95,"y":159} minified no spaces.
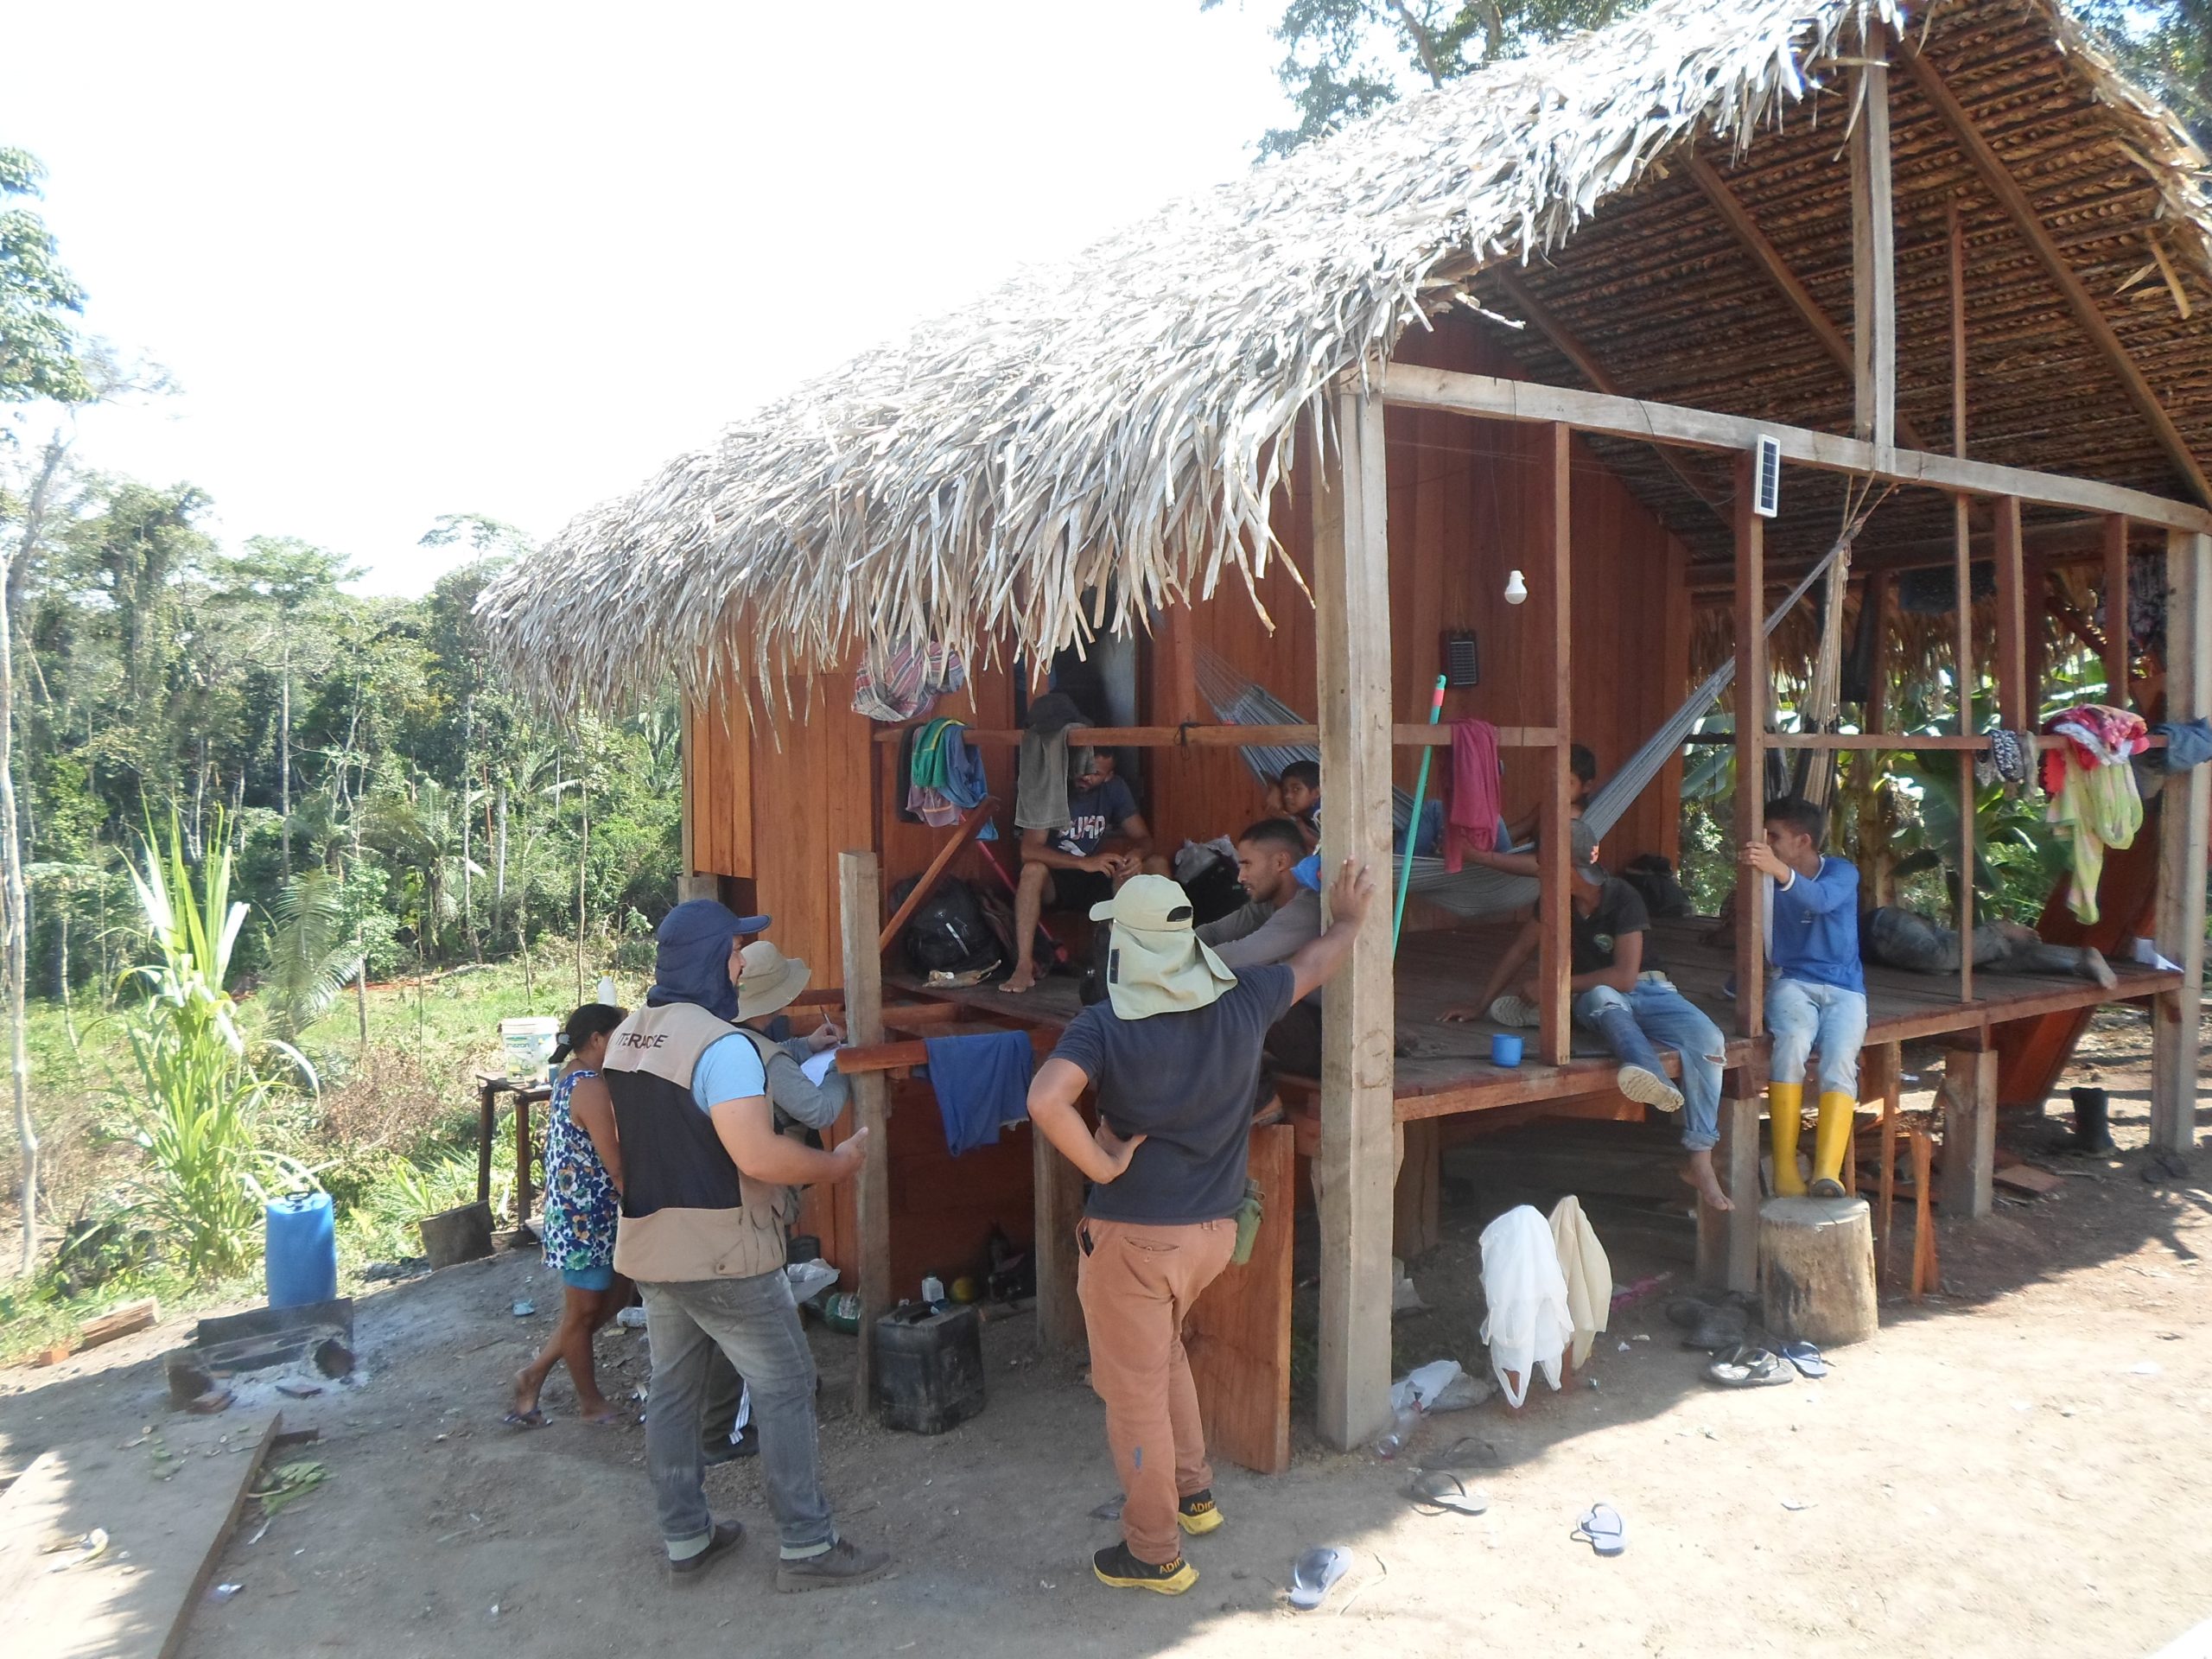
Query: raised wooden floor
{"x":1443,"y":1071}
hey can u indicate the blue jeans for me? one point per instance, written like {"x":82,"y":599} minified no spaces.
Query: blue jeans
{"x":1802,"y":1015}
{"x":753,"y":1321}
{"x":1654,"y":1011}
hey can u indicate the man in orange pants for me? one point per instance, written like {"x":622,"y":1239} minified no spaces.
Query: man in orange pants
{"x":1174,"y":1053}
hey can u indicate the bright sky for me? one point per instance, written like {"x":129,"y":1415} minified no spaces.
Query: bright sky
{"x":414,"y":259}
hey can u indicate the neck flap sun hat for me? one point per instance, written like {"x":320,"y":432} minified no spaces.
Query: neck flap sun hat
{"x":1157,"y":965}
{"x":691,"y":958}
{"x":768,"y":980}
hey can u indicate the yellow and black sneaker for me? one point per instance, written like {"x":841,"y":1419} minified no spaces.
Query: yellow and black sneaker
{"x":1198,"y":1514}
{"x":1117,"y":1567}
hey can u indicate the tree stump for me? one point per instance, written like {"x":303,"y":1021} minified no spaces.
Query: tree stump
{"x":1816,"y":1269}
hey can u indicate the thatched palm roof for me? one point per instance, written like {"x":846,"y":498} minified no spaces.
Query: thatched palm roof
{"x":1117,"y":423}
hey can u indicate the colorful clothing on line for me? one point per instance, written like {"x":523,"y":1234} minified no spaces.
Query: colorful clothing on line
{"x":908,"y":683}
{"x":1473,"y":817}
{"x":2093,"y":801}
{"x":580,"y":1205}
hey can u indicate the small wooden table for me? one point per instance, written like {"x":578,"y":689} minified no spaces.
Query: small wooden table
{"x":525,"y":1091}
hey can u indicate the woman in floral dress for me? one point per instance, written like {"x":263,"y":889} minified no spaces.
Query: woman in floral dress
{"x":583,"y":1200}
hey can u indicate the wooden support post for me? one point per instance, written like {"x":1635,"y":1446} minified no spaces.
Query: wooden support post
{"x":860,"y":909}
{"x":1750,"y":749}
{"x":2184,"y":807}
{"x":1963,"y":669}
{"x":1352,"y":591}
{"x":1927,"y":1270}
{"x":1728,"y":1242}
{"x":2015,"y":711}
{"x":1553,"y":958}
{"x":1417,"y":1228}
{"x":1057,"y":1202}
{"x":1873,"y":261}
{"x":1890,"y":1063}
{"x":1969,"y":1132}
{"x":487,"y":1126}
{"x":2117,"y":644}
{"x":522,"y":1156}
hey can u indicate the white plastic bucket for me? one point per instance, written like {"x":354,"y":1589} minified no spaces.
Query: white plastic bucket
{"x":526,"y":1045}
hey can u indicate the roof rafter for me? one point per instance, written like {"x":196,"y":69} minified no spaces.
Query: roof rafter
{"x":1571,"y":347}
{"x":2022,"y":212}
{"x":1768,"y":258}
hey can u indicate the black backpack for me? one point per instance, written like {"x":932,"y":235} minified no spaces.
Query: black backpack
{"x":950,"y":932}
{"x":1653,"y":878}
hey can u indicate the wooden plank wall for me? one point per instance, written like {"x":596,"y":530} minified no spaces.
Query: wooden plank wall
{"x":1463,"y":513}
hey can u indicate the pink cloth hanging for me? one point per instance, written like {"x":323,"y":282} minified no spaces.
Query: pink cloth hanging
{"x":1471,"y":819}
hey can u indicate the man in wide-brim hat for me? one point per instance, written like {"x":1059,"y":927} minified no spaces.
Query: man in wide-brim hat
{"x":1174,"y":1053}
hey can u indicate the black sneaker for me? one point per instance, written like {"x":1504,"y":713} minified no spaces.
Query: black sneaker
{"x":726,"y":1536}
{"x":1198,"y":1514}
{"x":842,"y":1563}
{"x":1117,"y":1567}
{"x":746,"y":1445}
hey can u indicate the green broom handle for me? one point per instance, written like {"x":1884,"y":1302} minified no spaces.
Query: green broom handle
{"x":1412,"y":825}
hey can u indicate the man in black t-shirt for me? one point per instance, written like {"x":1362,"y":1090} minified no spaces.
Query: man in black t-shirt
{"x":1173,"y":1054}
{"x":1620,"y":994}
{"x":1065,"y":866}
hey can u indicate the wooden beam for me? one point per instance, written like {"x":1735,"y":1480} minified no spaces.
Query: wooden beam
{"x":1728,"y":1241}
{"x":1969,"y":1094}
{"x":1550,"y":556}
{"x":2185,"y":808}
{"x":1962,"y":670}
{"x":1768,"y":259}
{"x":1355,"y":1170}
{"x":2014,"y":200}
{"x":1957,"y":235}
{"x":2118,"y":637}
{"x":1489,"y":398}
{"x":1751,"y":688}
{"x":2015,"y":709}
{"x":860,"y":903}
{"x":1873,"y":261}
{"x":1570,"y":346}
{"x":1403,"y":735}
{"x":977,"y":816}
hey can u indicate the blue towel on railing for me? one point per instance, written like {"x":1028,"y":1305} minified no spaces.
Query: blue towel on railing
{"x":983,"y":1084}
{"x":2188,"y":743}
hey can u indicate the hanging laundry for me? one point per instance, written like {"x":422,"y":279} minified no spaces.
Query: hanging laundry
{"x":907,"y":683}
{"x":2007,"y":760}
{"x":2093,"y":803}
{"x":1040,"y":785}
{"x":926,"y":776}
{"x":982,"y":1081}
{"x":1473,"y":816}
{"x":2188,"y":743}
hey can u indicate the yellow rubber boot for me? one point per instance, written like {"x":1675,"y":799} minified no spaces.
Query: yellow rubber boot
{"x":1785,"y":1104}
{"x":1832,"y":1143}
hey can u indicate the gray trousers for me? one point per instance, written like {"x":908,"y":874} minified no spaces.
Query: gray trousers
{"x":755,"y":1323}
{"x":1904,"y":938}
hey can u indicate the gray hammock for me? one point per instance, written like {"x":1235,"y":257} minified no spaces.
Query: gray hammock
{"x":1478,"y":891}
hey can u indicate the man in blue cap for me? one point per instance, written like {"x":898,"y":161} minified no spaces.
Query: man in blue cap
{"x":706,"y":1197}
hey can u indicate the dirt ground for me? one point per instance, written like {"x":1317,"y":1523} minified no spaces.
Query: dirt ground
{"x":2019,"y":1466}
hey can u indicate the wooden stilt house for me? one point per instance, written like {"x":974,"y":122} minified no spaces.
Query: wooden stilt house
{"x":1946,"y":268}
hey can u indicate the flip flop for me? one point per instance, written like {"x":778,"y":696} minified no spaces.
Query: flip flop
{"x":1806,"y":1357}
{"x":1313,"y":1574}
{"x":532,"y":1419}
{"x":1749,"y":1368}
{"x":1602,"y":1529}
{"x":1441,"y":1490}
{"x":610,"y":1419}
{"x":1466,"y":1453}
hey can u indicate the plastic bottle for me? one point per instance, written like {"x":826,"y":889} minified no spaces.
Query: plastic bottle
{"x":933,"y":1291}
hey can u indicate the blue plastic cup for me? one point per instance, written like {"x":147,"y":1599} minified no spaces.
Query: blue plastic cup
{"x":1504,"y":1048}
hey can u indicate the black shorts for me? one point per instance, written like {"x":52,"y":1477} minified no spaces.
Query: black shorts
{"x":1080,"y":889}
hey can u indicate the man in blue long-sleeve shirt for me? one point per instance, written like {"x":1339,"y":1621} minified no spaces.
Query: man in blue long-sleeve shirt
{"x":1817,"y":995}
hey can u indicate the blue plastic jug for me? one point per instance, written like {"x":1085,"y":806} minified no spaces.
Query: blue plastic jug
{"x":302,"y":1255}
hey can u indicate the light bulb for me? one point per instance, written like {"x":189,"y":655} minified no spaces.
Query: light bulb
{"x":1516,"y":591}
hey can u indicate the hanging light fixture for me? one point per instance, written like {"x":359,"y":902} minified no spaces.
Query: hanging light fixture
{"x":1516,"y":591}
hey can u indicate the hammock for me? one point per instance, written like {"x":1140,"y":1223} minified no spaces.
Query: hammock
{"x":1478,"y":891}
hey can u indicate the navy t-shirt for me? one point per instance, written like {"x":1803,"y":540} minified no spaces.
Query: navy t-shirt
{"x":1186,"y":1082}
{"x":1094,"y":815}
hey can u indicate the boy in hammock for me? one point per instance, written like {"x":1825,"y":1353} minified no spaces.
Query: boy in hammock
{"x":1620,"y":994}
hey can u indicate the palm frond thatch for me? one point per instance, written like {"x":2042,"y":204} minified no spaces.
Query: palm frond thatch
{"x":1117,"y":425}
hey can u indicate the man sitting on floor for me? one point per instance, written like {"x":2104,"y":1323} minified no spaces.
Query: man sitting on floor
{"x":1817,"y":995}
{"x":1065,"y":867}
{"x":1620,"y":994}
{"x":1896,"y":938}
{"x":1284,"y":915}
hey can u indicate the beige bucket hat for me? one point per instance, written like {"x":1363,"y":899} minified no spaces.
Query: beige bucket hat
{"x":767,"y":979}
{"x":1157,"y":965}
